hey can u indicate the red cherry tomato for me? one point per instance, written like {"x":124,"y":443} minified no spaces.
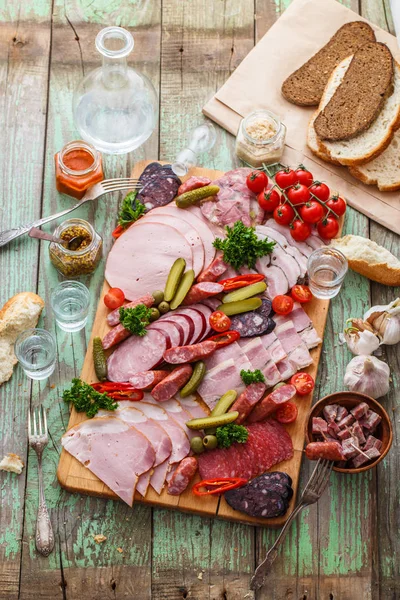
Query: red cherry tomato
{"x":219,"y":321}
{"x":298,"y":194}
{"x":301,"y":293}
{"x":269,"y":200}
{"x":114,"y":298}
{"x":337,"y":204}
{"x":300,"y":231}
{"x":256,"y":181}
{"x":304,"y":176}
{"x":284,"y":214}
{"x":286,"y":178}
{"x":328,"y":227}
{"x":282,"y":305}
{"x":320,"y":190}
{"x":303,"y":382}
{"x":287,"y":413}
{"x":312,"y":211}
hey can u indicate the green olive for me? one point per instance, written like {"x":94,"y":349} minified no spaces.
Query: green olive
{"x":196,"y":444}
{"x":158,"y":296}
{"x":210,"y":442}
{"x":163,"y":307}
{"x":154,"y":314}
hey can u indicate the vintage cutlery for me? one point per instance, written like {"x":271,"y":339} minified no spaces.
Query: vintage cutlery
{"x":94,"y":192}
{"x":38,"y":439}
{"x":312,"y":492}
{"x":71,"y":244}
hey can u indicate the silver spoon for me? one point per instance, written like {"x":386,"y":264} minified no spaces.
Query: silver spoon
{"x":72,"y":244}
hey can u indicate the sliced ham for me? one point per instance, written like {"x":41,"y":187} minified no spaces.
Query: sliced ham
{"x":140,"y":260}
{"x":136,"y":354}
{"x":274,"y":346}
{"x":282,"y":259}
{"x":191,"y":405}
{"x":220,"y":379}
{"x":276,"y":279}
{"x":176,"y":411}
{"x":114,"y":451}
{"x":232,"y":351}
{"x":293,"y":345}
{"x":303,"y":325}
{"x":261,"y":359}
{"x":303,"y":247}
{"x":277,"y":237}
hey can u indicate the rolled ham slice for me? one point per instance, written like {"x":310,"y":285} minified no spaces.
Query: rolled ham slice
{"x":136,"y":354}
{"x":113,"y":450}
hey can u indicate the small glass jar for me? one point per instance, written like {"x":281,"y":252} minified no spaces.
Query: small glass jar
{"x":260,"y":139}
{"x":84,"y":260}
{"x":78,"y":166}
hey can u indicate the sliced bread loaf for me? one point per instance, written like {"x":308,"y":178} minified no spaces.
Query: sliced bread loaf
{"x":306,"y":85}
{"x":368,"y":145}
{"x":383,"y":171}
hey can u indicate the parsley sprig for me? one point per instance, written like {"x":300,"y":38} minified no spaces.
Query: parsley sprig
{"x":135,"y":319}
{"x":86,"y":399}
{"x":230,"y":433}
{"x":242,"y":247}
{"x":249,"y":377}
{"x":131,"y":209}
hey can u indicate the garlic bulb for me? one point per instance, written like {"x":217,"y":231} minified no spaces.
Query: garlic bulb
{"x":368,"y":375}
{"x":360,"y":337}
{"x":385,"y":321}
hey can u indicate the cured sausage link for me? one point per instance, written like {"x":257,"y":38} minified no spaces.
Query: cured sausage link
{"x":182,"y":476}
{"x":114,"y":336}
{"x":113,"y":316}
{"x":271,"y":402}
{"x":187,"y":354}
{"x":214,"y":271}
{"x":201,"y":291}
{"x":244,"y":404}
{"x":326,"y":450}
{"x":170,"y":385}
{"x":146,"y":380}
{"x":193,"y":183}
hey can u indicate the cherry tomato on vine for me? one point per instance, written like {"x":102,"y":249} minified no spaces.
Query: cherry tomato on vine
{"x":286,"y":178}
{"x":298,"y":194}
{"x":303,"y":382}
{"x":312,"y":211}
{"x":328,"y":227}
{"x":286,"y":413}
{"x":301,"y":293}
{"x":284,"y":214}
{"x":300,"y":231}
{"x":219,"y":321}
{"x":303,"y":176}
{"x":114,"y":298}
{"x":269,"y":200}
{"x":320,"y":190}
{"x":256,"y":181}
{"x":282,"y":304}
{"x":337,"y":204}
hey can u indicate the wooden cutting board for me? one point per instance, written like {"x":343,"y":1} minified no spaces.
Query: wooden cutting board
{"x":74,"y":477}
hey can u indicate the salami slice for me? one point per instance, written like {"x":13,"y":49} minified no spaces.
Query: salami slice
{"x":201,"y":291}
{"x":244,"y":404}
{"x":171,"y":384}
{"x":216,"y":269}
{"x":186,"y":323}
{"x":173,"y":330}
{"x":182,"y":476}
{"x":193,"y":353}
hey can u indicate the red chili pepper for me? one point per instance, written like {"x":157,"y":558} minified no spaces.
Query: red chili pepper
{"x":219,"y":486}
{"x":119,"y":230}
{"x":134,"y":396}
{"x":225,"y":338}
{"x":234,"y":283}
{"x":112,"y":386}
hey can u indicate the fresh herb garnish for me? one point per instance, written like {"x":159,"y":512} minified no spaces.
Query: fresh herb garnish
{"x":249,"y":377}
{"x":135,"y":319}
{"x":242,"y":246}
{"x":131,"y":209}
{"x":86,"y":399}
{"x":228,"y":434}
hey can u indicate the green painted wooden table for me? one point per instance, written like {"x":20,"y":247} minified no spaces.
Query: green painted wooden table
{"x":345,"y":547}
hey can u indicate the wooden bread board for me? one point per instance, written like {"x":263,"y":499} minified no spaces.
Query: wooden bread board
{"x":74,"y":477}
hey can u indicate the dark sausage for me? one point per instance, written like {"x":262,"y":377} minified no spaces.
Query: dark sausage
{"x":193,"y":183}
{"x":214,"y":271}
{"x":170,"y":385}
{"x":185,"y":354}
{"x":244,"y":404}
{"x":146,"y":380}
{"x":114,"y":336}
{"x":201,"y":291}
{"x":184,"y":472}
{"x":113,"y":316}
{"x":327,"y":450}
{"x":270,"y":403}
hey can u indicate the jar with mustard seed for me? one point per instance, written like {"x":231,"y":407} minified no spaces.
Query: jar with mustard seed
{"x":260,"y":139}
{"x":80,"y":261}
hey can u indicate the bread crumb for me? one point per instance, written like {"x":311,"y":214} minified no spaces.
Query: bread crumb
{"x":53,"y":385}
{"x":99,"y":538}
{"x":120,"y":550}
{"x":12,"y":463}
{"x":200,"y":576}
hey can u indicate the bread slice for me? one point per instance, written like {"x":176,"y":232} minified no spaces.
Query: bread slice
{"x":306,"y":85}
{"x":369,"y":259}
{"x":359,"y":99}
{"x":19,"y":313}
{"x":368,"y":145}
{"x":383,"y":171}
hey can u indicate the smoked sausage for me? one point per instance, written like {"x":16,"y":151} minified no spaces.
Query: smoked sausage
{"x":115,"y":335}
{"x":214,"y":271}
{"x":187,"y":354}
{"x":271,"y":402}
{"x":201,"y":291}
{"x":170,"y":385}
{"x":193,"y":183}
{"x":146,"y":380}
{"x":326,"y":450}
{"x":182,"y":476}
{"x":113,"y":316}
{"x":244,"y":404}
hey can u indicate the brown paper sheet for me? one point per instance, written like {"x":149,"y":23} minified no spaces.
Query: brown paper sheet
{"x":299,"y":33}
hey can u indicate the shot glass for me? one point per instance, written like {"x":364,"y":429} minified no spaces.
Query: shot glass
{"x":327,"y":268}
{"x":36,"y":351}
{"x":70,"y":304}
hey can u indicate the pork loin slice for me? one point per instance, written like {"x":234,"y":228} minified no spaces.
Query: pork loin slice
{"x":277,"y":281}
{"x":177,"y":412}
{"x":303,"y":247}
{"x":277,"y":237}
{"x":136,"y":354}
{"x":285,"y":261}
{"x":140,"y":260}
{"x":113,"y":450}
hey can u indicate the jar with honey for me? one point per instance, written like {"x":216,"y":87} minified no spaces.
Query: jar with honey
{"x":78,"y":167}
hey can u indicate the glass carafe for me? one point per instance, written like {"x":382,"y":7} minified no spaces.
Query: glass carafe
{"x":115,"y":107}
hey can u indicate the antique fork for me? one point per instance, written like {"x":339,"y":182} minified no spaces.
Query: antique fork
{"x":312,"y":492}
{"x":38,"y":439}
{"x":104,"y":187}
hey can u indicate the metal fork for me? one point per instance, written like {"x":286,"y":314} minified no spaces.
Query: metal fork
{"x":38,"y":439}
{"x":104,"y":187}
{"x":312,"y":492}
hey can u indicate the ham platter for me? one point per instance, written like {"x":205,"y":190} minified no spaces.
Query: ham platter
{"x":140,"y":471}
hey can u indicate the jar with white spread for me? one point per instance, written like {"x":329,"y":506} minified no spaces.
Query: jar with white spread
{"x":260,"y":139}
